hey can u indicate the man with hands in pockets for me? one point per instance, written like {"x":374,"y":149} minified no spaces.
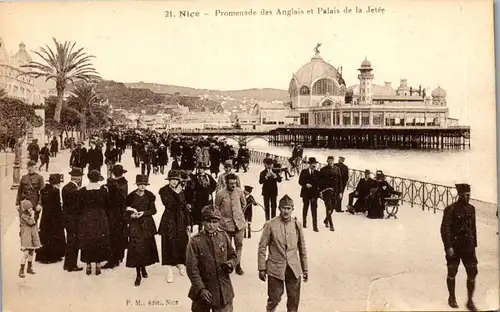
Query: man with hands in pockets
{"x":287,"y":260}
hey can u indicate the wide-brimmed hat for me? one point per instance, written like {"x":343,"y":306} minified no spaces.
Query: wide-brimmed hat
{"x":95,"y":176}
{"x":118,"y":170}
{"x":174,"y":175}
{"x":312,"y":160}
{"x":76,"y":172}
{"x":209,"y":212}
{"x":141,"y":179}
{"x":55,"y":178}
{"x":367,"y":171}
{"x":31,"y":163}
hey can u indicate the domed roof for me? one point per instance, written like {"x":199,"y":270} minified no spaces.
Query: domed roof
{"x":438,"y":92}
{"x":22,"y":55}
{"x":366,"y":63}
{"x":316,"y":68}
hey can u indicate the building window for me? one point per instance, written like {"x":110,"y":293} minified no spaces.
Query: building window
{"x":346,"y":119}
{"x":355,"y":118}
{"x":323,"y":86}
{"x":337,"y":118}
{"x":365,"y":119}
{"x":378,"y":118}
{"x":304,"y":90}
{"x":304,"y":118}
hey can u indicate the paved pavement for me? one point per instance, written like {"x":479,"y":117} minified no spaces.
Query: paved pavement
{"x":383,"y":265}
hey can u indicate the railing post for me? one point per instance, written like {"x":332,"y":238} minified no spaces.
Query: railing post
{"x":423,"y":196}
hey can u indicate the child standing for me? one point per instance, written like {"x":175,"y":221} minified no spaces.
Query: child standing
{"x":247,"y":189}
{"x":29,"y":236}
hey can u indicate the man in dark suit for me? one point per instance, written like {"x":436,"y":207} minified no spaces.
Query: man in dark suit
{"x":269,"y":179}
{"x":71,"y":219}
{"x":78,"y":158}
{"x":309,"y":180}
{"x":361,"y":193}
{"x":344,"y":174}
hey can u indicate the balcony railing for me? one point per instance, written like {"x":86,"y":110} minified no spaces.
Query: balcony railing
{"x":417,"y":193}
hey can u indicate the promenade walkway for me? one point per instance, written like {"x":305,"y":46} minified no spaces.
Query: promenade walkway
{"x":390,"y":265}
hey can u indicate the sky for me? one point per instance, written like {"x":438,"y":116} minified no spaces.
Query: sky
{"x":430,"y":43}
{"x":449,"y":43}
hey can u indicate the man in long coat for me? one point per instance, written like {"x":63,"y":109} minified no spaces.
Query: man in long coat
{"x":118,"y":192}
{"x":78,"y":158}
{"x":71,"y":216}
{"x":210,"y":258}
{"x":95,"y":157}
{"x":330,"y":186}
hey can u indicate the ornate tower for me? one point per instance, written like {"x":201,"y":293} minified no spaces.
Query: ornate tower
{"x":365,"y":83}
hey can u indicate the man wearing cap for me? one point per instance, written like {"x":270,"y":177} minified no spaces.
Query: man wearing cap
{"x":309,"y":181}
{"x":231,"y":202}
{"x":221,"y":180}
{"x":344,"y":175}
{"x":361,"y":193}
{"x":459,"y":236}
{"x":29,"y":188}
{"x":71,"y":216}
{"x":210,"y":259}
{"x":269,"y":179}
{"x":287,"y":259}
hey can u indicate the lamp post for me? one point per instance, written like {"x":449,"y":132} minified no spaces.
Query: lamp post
{"x":16,"y":173}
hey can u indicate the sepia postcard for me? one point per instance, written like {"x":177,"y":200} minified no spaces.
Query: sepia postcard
{"x":248,"y":156}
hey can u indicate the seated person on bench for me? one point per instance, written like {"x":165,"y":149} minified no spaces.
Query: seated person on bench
{"x":376,"y":202}
{"x":361,"y":193}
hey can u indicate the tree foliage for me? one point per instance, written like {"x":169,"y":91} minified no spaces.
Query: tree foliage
{"x":16,"y":116}
{"x":69,"y":119}
{"x":64,"y":65}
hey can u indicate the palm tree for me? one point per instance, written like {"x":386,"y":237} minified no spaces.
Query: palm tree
{"x":65,"y":65}
{"x":81,"y":101}
{"x":2,"y":93}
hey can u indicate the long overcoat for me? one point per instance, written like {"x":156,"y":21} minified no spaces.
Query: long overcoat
{"x":205,"y":256}
{"x":51,"y":226}
{"x":173,"y":226}
{"x":93,"y":228}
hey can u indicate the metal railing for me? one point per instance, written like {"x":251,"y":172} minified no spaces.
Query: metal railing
{"x":417,"y":193}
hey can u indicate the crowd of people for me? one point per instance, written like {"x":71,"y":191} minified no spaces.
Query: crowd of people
{"x":106,"y":222}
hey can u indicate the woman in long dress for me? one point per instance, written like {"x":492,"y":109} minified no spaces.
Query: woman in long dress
{"x":174,"y":225}
{"x":142,"y":250}
{"x":51,"y":224}
{"x":93,"y":229}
